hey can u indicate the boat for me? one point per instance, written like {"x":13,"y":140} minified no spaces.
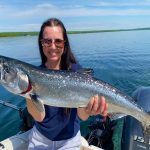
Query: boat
{"x":100,"y":135}
{"x":20,"y":142}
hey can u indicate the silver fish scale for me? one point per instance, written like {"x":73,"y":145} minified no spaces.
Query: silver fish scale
{"x":65,"y":89}
{"x":73,"y":89}
{"x":65,"y":85}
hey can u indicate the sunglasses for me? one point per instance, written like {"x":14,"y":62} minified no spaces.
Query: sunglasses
{"x":59,"y":43}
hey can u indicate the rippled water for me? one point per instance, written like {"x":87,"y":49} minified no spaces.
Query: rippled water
{"x":119,"y":58}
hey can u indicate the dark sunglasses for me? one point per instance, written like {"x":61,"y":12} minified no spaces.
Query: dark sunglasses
{"x":59,"y":43}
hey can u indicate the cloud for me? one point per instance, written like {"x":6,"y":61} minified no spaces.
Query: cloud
{"x":82,"y":11}
{"x":22,"y":27}
{"x":45,"y":10}
{"x":38,"y":11}
{"x":104,"y":12}
{"x":29,"y":18}
{"x":122,"y":4}
{"x":31,"y":27}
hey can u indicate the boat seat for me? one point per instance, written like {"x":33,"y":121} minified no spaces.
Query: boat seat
{"x":86,"y":146}
{"x":16,"y":142}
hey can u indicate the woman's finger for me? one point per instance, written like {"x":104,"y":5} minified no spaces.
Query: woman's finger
{"x":90,"y":105}
{"x":96,"y":104}
{"x":105,"y":110}
{"x":102,"y":105}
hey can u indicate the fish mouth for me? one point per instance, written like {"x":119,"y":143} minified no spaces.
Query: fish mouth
{"x":1,"y":72}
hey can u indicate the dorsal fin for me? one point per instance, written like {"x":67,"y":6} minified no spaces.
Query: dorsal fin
{"x":87,"y":71}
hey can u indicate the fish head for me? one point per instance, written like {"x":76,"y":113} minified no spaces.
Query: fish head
{"x":12,"y":77}
{"x":7,"y":72}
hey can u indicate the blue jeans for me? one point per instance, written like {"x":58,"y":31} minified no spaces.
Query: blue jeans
{"x":39,"y":142}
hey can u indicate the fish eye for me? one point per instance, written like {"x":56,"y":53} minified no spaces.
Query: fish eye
{"x":6,"y":68}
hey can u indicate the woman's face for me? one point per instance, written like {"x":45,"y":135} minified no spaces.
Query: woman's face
{"x":53,"y":44}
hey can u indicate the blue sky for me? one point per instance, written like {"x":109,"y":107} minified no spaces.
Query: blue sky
{"x":28,"y":15}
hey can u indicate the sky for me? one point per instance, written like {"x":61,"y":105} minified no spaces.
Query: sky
{"x":28,"y":15}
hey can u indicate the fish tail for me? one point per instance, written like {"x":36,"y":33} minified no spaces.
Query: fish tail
{"x":146,"y":129}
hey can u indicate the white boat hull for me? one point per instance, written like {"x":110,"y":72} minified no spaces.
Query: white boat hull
{"x":20,"y":142}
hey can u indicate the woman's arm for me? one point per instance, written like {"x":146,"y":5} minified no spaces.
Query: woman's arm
{"x":36,"y":113}
{"x":97,"y":105}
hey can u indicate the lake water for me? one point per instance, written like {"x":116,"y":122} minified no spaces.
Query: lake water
{"x":119,"y":58}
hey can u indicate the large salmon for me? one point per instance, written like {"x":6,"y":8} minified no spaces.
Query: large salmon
{"x":65,"y":88}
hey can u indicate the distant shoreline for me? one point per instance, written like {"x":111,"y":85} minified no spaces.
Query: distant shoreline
{"x":14,"y":34}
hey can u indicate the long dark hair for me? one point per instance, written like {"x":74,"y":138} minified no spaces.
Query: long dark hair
{"x":67,"y":57}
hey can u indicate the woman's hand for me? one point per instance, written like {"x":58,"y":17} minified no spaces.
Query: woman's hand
{"x":36,"y":110}
{"x":97,"y":105}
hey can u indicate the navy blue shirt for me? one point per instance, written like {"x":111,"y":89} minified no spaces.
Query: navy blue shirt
{"x":57,"y":125}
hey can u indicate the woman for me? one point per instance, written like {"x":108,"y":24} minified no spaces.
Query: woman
{"x":59,"y":128}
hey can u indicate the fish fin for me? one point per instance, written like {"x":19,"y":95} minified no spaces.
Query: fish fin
{"x":86,"y":71}
{"x":146,"y":130}
{"x":146,"y":135}
{"x":115,"y":116}
{"x":38,"y":103}
{"x":146,"y":125}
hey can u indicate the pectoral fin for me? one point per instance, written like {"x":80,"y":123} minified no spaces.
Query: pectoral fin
{"x":38,"y":103}
{"x":115,"y":116}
